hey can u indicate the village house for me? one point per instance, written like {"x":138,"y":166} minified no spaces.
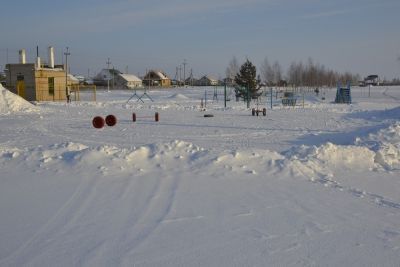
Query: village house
{"x":128,"y":81}
{"x":106,"y":77}
{"x":156,"y":78}
{"x":207,"y":81}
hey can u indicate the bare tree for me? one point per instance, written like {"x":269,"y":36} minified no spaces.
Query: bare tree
{"x":296,"y":73}
{"x":277,"y":72}
{"x":233,"y":69}
{"x":266,"y":72}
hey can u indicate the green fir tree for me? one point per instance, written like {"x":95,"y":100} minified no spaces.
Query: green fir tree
{"x":246,"y":80}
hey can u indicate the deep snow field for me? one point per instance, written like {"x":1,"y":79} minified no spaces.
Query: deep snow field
{"x":313,"y":185}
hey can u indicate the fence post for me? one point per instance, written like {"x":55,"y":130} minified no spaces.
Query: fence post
{"x":225,"y":95}
{"x":270,"y":89}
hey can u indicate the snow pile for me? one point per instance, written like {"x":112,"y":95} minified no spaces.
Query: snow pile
{"x":379,"y":150}
{"x":313,"y":162}
{"x":386,"y":144}
{"x":107,"y":159}
{"x":255,"y":162}
{"x":325,"y":160}
{"x":178,"y":96}
{"x":10,"y":103}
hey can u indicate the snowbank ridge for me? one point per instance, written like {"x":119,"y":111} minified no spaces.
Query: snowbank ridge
{"x":379,"y":151}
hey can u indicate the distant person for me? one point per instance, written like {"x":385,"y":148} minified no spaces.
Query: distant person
{"x":316,"y":91}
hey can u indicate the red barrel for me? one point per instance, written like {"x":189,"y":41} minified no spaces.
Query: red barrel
{"x":98,"y":122}
{"x":111,"y":120}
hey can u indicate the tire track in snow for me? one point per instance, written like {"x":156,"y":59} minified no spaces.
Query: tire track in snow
{"x":371,"y":197}
{"x":41,"y":239}
{"x":123,"y":230}
{"x":138,"y":193}
{"x":135,"y":225}
{"x":158,"y":208}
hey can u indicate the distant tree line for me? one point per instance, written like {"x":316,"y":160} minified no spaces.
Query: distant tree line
{"x":308,"y":74}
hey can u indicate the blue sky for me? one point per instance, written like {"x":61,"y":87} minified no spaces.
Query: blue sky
{"x":361,"y":36}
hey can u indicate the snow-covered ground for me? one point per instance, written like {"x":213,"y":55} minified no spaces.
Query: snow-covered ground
{"x":314,"y":185}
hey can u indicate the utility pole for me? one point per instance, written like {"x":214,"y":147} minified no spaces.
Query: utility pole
{"x":67,"y":53}
{"x":191,"y":77}
{"x":113,"y":79}
{"x":176,"y":73}
{"x":180,"y":75}
{"x":108,"y":69}
{"x":184,"y":72}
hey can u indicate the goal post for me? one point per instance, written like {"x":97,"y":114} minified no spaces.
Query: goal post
{"x":80,"y":92}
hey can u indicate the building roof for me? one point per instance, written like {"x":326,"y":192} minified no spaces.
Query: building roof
{"x":161,"y":75}
{"x":372,"y":77}
{"x":129,"y":77}
{"x":208,"y":78}
{"x":106,"y":74}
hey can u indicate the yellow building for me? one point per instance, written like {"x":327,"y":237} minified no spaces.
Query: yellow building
{"x":36,"y":81}
{"x":36,"y":84}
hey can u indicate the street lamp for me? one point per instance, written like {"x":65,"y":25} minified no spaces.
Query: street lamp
{"x":66,"y":74}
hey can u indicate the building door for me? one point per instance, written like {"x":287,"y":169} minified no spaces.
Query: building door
{"x":21,"y":85}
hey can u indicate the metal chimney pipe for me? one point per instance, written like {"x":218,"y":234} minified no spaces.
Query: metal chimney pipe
{"x":38,"y":66}
{"x":51,"y":57}
{"x":22,"y":56}
{"x":37,"y":58}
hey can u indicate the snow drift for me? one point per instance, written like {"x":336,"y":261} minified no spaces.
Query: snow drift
{"x":10,"y":102}
{"x":379,"y":151}
{"x":386,"y":144}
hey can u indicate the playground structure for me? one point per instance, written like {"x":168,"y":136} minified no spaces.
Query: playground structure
{"x":289,"y":99}
{"x":256,"y":111}
{"x":343,"y":94}
{"x":156,"y":117}
{"x":99,"y":122}
{"x":266,"y":97}
{"x":140,"y":97}
{"x":226,"y":94}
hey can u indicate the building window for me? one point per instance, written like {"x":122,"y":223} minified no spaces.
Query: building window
{"x":51,"y":85}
